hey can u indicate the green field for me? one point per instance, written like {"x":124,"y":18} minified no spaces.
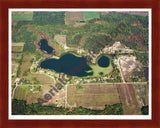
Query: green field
{"x":28,"y":93}
{"x":24,"y":17}
{"x":91,"y":15}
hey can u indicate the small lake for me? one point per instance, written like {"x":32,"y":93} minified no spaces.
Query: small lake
{"x":68,"y":64}
{"x":44,"y":46}
{"x":103,"y":61}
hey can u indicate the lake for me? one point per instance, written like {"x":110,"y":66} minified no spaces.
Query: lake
{"x":103,"y":61}
{"x":68,"y":64}
{"x":44,"y":46}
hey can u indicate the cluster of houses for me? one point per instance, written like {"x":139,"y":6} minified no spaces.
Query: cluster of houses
{"x":117,"y":46}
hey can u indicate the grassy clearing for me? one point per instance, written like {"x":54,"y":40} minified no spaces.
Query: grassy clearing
{"x":28,"y":93}
{"x":97,"y":69}
{"x":14,"y":67}
{"x":24,"y":17}
{"x":60,"y":39}
{"x":142,"y":92}
{"x":92,"y":96}
{"x":43,"y":79}
{"x":91,"y":15}
{"x":105,"y":70}
{"x":26,"y":63}
{"x":17,"y":48}
{"x":18,"y":44}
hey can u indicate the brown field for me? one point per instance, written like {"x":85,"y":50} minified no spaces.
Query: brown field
{"x":28,"y":93}
{"x":142,"y":93}
{"x":72,"y":17}
{"x":59,"y":98}
{"x":129,"y":100}
{"x":129,"y":12}
{"x":92,"y":96}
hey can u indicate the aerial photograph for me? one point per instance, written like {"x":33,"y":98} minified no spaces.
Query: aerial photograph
{"x":79,"y":62}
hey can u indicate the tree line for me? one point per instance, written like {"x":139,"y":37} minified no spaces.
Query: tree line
{"x":19,"y":107}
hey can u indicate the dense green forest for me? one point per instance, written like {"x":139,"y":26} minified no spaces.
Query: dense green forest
{"x":130,"y":30}
{"x":96,"y":42}
{"x":19,"y":107}
{"x":145,"y":110}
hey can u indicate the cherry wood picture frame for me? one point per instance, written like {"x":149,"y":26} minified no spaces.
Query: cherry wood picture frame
{"x":106,"y":4}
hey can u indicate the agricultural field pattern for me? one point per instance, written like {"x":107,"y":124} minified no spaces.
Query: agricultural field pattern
{"x":80,"y":63}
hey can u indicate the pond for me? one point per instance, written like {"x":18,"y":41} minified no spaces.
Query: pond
{"x":68,"y":64}
{"x":103,"y":61}
{"x":44,"y":46}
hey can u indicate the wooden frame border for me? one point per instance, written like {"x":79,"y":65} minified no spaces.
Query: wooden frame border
{"x":6,"y":4}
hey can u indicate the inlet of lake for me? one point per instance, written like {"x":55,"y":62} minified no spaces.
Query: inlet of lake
{"x":43,"y":43}
{"x":73,"y":65}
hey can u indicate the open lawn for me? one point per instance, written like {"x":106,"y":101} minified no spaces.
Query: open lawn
{"x":91,"y":15}
{"x":28,"y":93}
{"x":105,"y":70}
{"x":97,"y":69}
{"x":92,"y":96}
{"x":23,"y":17}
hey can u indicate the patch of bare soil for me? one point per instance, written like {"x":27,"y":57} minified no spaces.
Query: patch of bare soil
{"x":58,"y":98}
{"x":129,"y":100}
{"x":72,"y":17}
{"x":128,"y":64}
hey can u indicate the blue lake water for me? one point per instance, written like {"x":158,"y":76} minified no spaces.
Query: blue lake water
{"x":44,"y":46}
{"x":103,"y":61}
{"x":68,"y":64}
